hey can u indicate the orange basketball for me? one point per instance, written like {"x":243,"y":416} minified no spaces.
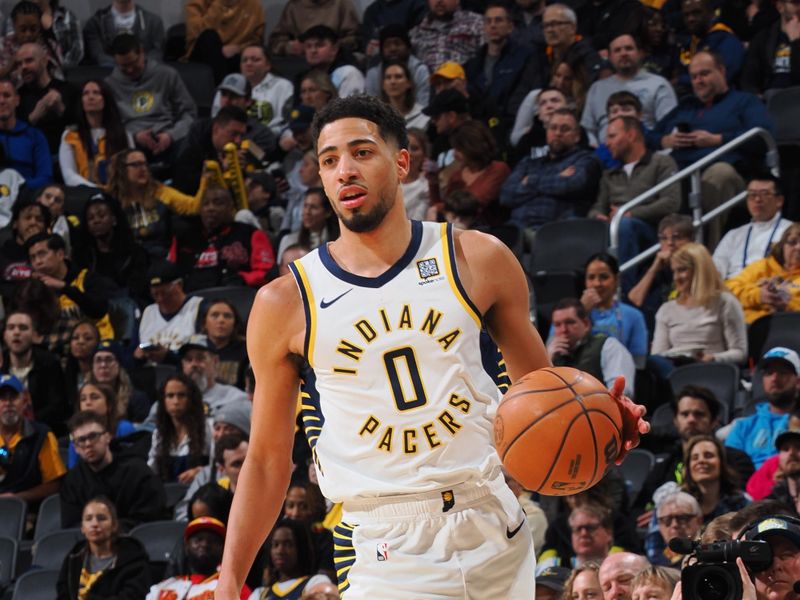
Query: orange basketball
{"x":557,"y":430}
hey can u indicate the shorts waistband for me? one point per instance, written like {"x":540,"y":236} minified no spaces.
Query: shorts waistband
{"x":442,"y":501}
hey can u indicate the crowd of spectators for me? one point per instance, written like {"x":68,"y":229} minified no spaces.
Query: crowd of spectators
{"x":123,"y":200}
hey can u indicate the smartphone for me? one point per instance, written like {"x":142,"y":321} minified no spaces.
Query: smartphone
{"x":148,"y":346}
{"x":683,"y":127}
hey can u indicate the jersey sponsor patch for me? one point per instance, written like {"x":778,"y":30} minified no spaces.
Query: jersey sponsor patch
{"x":428,"y":267}
{"x":383,"y":551}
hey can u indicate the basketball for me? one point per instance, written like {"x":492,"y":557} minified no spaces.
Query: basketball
{"x":557,"y":430}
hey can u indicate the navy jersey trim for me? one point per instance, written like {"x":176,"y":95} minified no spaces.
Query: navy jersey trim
{"x":383,"y":278}
{"x":451,"y":245}
{"x":306,"y":308}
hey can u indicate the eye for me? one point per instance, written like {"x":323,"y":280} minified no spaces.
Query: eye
{"x":362,"y":152}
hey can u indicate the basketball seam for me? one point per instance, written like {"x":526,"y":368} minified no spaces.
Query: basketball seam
{"x":561,"y":446}
{"x":521,"y":433}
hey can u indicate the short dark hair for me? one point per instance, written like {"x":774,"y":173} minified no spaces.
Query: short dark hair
{"x":391,"y":125}
{"x":498,"y":4}
{"x":23,"y":203}
{"x":321,"y":32}
{"x":14,"y":88}
{"x":125,"y":43}
{"x":624,"y":98}
{"x":261,"y":47}
{"x":568,"y":112}
{"x":85,"y":417}
{"x":680,"y":223}
{"x":230,"y":113}
{"x":764,"y":175}
{"x":604,"y":257}
{"x":631,"y":124}
{"x":54,"y":241}
{"x":636,"y":41}
{"x":229,"y":441}
{"x":462,"y":203}
{"x":565,"y":303}
{"x":26,"y":7}
{"x":700,"y":393}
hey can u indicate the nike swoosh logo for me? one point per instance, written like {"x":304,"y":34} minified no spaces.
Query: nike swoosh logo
{"x":325,"y":304}
{"x":510,"y":534}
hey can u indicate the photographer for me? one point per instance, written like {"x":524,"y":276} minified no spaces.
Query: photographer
{"x":778,"y":581}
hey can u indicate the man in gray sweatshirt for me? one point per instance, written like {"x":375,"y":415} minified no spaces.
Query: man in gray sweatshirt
{"x":154,"y":104}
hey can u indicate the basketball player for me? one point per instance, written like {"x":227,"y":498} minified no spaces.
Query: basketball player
{"x":397,"y":405}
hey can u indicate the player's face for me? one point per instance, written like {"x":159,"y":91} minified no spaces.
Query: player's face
{"x":775,"y":583}
{"x":360,"y":171}
{"x":283,"y":551}
{"x":601,"y":279}
{"x":693,"y":418}
{"x":704,"y":462}
{"x":586,"y":586}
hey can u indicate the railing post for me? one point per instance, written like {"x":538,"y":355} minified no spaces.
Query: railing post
{"x":695,"y":205}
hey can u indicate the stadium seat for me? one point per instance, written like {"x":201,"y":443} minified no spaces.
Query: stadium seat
{"x":12,"y":517}
{"x":175,"y":492}
{"x":8,"y":560}
{"x":635,"y":469}
{"x":49,"y":551}
{"x":549,"y":288}
{"x":159,"y":538}
{"x":782,"y":107}
{"x":199,"y":80}
{"x":511,"y":236}
{"x":240,"y":296}
{"x":48,"y":519}
{"x":79,"y":75}
{"x":567,"y":245}
{"x":150,"y":378}
{"x":662,"y":418}
{"x":720,"y":378}
{"x":779,"y":329}
{"x":38,"y":584}
{"x":289,"y":67}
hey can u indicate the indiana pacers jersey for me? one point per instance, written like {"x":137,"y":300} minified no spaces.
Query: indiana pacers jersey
{"x":398,"y":398}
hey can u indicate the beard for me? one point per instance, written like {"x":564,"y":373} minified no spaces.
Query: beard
{"x":204,"y":564}
{"x":200,"y":380}
{"x":783,"y":400}
{"x":364,"y":222}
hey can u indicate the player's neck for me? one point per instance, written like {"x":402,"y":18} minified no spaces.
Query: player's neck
{"x":370,"y":254}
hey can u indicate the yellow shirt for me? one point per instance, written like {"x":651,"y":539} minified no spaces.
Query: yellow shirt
{"x":746,"y":286}
{"x":50,"y":465}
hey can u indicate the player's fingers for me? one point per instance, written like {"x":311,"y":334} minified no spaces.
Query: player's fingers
{"x":618,"y":388}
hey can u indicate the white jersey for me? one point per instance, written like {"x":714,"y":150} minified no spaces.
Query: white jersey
{"x":398,"y":400}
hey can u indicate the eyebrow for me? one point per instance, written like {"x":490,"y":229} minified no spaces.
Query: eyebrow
{"x":350,"y":144}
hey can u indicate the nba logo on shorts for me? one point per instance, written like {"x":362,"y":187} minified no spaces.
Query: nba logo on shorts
{"x":383,"y":551}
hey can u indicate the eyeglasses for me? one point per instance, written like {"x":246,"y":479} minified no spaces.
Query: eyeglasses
{"x":754,"y":194}
{"x":491,"y":20}
{"x":137,"y":164}
{"x":554,"y":24}
{"x":666,"y":520}
{"x":89,"y":438}
{"x":590,"y":529}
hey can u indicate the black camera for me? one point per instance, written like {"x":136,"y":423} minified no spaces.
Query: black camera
{"x":714,"y":574}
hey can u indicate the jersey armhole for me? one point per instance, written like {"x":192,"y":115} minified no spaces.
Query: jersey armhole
{"x":307,"y":296}
{"x":451,"y":266}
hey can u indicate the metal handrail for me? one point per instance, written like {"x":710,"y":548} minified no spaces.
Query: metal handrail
{"x":693,"y":171}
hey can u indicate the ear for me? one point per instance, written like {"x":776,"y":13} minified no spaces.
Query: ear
{"x":402,"y":163}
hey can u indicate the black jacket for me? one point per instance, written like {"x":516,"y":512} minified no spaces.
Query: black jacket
{"x":127,"y":579}
{"x":759,"y":62}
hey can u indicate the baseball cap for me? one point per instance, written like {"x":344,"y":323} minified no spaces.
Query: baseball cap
{"x":553,"y":578}
{"x":109,"y":346}
{"x":236,"y":413}
{"x":196,"y":340}
{"x":776,"y":525}
{"x":163,"y":272}
{"x":11,"y":382}
{"x":446,"y":101}
{"x":449,"y":70}
{"x":236,"y":84}
{"x":300,"y":118}
{"x":779,"y":353}
{"x":787,"y":435}
{"x":204,"y":524}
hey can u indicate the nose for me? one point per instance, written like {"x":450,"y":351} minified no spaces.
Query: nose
{"x":347,"y":169}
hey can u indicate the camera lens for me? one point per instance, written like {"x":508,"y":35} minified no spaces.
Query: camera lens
{"x":715,"y":584}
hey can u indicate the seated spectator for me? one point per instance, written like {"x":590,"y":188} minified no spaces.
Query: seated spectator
{"x":416,"y":190}
{"x":83,"y":339}
{"x":783,"y":537}
{"x":122,"y":16}
{"x":170,"y":321}
{"x":26,"y":27}
{"x":529,"y":135}
{"x":105,"y":245}
{"x":323,"y":51}
{"x":778,"y":475}
{"x":315,"y":90}
{"x":153,"y":102}
{"x":32,"y":469}
{"x":271,"y":95}
{"x":654,"y":92}
{"x":148,"y":204}
{"x":563,"y":44}
{"x":81,"y":293}
{"x":86,"y":148}
{"x":136,"y":491}
{"x":448,"y":110}
{"x":446,"y":33}
{"x":639,"y":171}
{"x":200,"y":362}
{"x":750,"y":243}
{"x":107,"y":369}
{"x":655,"y":286}
{"x":712,"y":116}
{"x":707,"y":34}
{"x":304,"y":503}
{"x":11,"y":182}
{"x":28,"y":219}
{"x":592,"y":539}
{"x":206,"y":140}
{"x":556,"y":186}
{"x":223,"y":326}
{"x":395,"y":45}
{"x":398,"y":89}
{"x":303,"y":175}
{"x":291,"y":254}
{"x":708,"y":477}
{"x":25,"y":147}
{"x":756,"y":434}
{"x":573,"y":343}
{"x":772,"y":284}
{"x":704,"y":323}
{"x":101,"y":399}
{"x":287,"y":569}
{"x":319,"y":224}
{"x":298,"y":16}
{"x":583,"y":584}
{"x":772,"y":55}
{"x":106,"y":564}
{"x":678,"y":515}
{"x":617,"y":572}
{"x":182,"y":442}
{"x":215,"y":250}
{"x":462,"y":209}
{"x":655,"y":583}
{"x":264,"y":201}
{"x":204,"y":538}
{"x":63,"y":27}
{"x":44,"y":102}
{"x":608,"y":315}
{"x":52,"y":197}
{"x":550,"y":583}
{"x":217,"y":30}
{"x":660,"y":55}
{"x":37,"y":369}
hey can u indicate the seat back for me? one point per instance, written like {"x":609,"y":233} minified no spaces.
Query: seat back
{"x":175,"y":492}
{"x":721,"y":378}
{"x":199,"y":80}
{"x":49,"y":551}
{"x":241,"y":297}
{"x":48,"y":519}
{"x":8,"y":560}
{"x":635,"y":469}
{"x":12,"y":517}
{"x":38,"y":584}
{"x":159,"y":538}
{"x":567,"y":245}
{"x":80,"y":74}
{"x":782,"y":107}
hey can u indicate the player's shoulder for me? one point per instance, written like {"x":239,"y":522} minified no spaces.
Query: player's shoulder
{"x":476,"y":246}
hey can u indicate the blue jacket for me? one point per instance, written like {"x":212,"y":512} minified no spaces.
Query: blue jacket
{"x":506,"y":74}
{"x":730,"y":114}
{"x":756,"y":433}
{"x":27,"y":152}
{"x":719,"y":39}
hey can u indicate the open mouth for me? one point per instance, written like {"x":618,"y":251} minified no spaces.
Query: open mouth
{"x":352,"y":196}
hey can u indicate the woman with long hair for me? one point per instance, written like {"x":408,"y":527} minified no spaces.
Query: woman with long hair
{"x":705,"y":322}
{"x":53,"y":197}
{"x":83,"y":339}
{"x":148,"y":204}
{"x":319,"y":224}
{"x":399,"y":90}
{"x":416,"y":189}
{"x":583,"y":583}
{"x":182,"y":440}
{"x":771,"y":284}
{"x":104,"y":565}
{"x":316,"y":89}
{"x":290,"y":561}
{"x":107,"y":369}
{"x":223,"y":326}
{"x":708,"y":477}
{"x":87,"y":147}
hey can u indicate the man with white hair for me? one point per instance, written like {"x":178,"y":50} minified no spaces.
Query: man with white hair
{"x":563,"y":44}
{"x":679,"y":516}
